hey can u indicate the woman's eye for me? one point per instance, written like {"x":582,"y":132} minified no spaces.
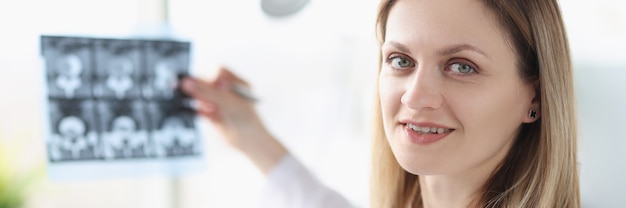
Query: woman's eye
{"x":462,"y":68}
{"x":400,"y":62}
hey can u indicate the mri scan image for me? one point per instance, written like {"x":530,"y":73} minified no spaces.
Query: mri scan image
{"x":174,"y":131}
{"x":68,"y":67}
{"x":166,"y":62}
{"x":117,"y":100}
{"x":124,"y":130}
{"x":118,"y":69}
{"x":73,"y":136}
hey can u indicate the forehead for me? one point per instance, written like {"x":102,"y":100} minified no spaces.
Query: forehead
{"x":444,"y":22}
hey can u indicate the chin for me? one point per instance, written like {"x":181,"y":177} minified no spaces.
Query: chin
{"x":418,"y":170}
{"x":411,"y":164}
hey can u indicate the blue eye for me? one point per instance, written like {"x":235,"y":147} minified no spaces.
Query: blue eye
{"x":398,"y":62}
{"x":462,"y":68}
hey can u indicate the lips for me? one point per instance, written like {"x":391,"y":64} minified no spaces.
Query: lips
{"x":425,"y":133}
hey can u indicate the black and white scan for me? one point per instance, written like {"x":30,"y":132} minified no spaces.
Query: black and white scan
{"x":174,"y":135}
{"x":117,"y":100}
{"x":74,"y":136}
{"x":68,"y":67}
{"x":124,"y":130}
{"x":167,"y":61}
{"x":118,"y":69}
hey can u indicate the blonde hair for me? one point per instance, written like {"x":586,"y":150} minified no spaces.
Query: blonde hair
{"x":540,"y":170}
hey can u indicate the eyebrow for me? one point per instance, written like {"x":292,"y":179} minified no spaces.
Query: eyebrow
{"x":399,"y":46}
{"x":444,"y":52}
{"x":460,"y":47}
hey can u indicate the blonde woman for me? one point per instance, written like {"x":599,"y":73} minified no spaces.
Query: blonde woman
{"x":475,"y":109}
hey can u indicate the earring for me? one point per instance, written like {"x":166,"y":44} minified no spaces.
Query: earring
{"x":532,"y":114}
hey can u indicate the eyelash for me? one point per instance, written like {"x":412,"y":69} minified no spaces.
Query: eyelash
{"x":448,"y":68}
{"x":392,"y":57}
{"x":473,"y":68}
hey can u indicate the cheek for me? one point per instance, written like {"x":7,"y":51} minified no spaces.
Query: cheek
{"x":390,"y":92}
{"x":491,"y":118}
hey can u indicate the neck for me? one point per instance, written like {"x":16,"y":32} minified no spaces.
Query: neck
{"x":450,"y":191}
{"x":460,"y":189}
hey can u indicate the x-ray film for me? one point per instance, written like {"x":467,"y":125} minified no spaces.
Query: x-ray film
{"x":114,"y":108}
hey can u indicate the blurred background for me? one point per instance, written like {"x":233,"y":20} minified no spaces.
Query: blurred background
{"x":314,"y":73}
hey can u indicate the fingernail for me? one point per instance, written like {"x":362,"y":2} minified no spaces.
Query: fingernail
{"x":188,"y":84}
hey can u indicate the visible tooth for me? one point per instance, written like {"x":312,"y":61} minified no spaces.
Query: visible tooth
{"x":426,"y":130}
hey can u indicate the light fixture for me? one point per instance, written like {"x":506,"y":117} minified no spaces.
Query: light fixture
{"x":281,"y":8}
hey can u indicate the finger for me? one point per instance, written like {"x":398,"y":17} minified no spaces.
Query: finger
{"x":208,"y":110}
{"x":206,"y":107}
{"x":225,"y":75}
{"x":227,"y":80}
{"x":200,"y":89}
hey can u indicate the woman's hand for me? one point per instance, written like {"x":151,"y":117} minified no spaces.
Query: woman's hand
{"x":234,"y":117}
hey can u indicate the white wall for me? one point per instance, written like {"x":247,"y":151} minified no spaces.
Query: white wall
{"x":314,"y":75}
{"x":597,"y":31}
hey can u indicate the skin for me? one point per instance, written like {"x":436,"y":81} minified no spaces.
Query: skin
{"x":448,"y":63}
{"x":235,"y":118}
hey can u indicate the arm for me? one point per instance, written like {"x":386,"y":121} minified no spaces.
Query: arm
{"x":290,"y":184}
{"x":235,"y":118}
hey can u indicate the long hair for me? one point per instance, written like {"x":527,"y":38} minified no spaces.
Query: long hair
{"x":540,"y":170}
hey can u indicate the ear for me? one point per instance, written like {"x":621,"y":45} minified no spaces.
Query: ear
{"x":533,"y":112}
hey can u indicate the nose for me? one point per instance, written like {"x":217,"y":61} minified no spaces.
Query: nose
{"x":423,"y":90}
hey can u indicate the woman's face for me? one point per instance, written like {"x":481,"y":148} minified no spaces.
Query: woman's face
{"x":448,"y":70}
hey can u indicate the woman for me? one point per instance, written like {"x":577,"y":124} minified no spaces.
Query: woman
{"x":475,"y":109}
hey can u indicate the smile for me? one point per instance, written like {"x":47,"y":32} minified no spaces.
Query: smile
{"x":427,"y":130}
{"x":426,"y":133}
